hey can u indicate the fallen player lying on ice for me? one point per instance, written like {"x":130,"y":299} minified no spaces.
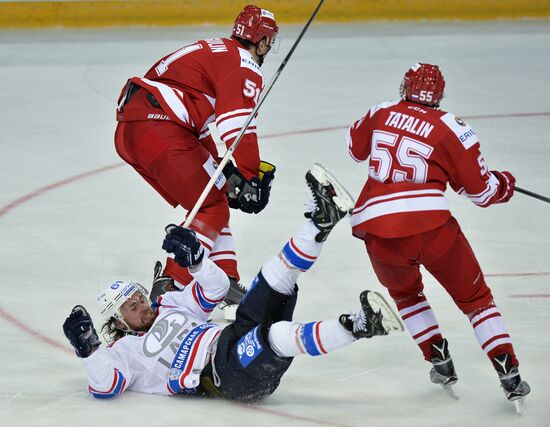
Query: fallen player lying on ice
{"x":170,"y":348}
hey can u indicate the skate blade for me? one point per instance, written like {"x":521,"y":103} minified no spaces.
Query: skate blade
{"x":518,"y":405}
{"x":391,"y":320}
{"x":450,"y":391}
{"x":343,"y":199}
{"x":230,"y":312}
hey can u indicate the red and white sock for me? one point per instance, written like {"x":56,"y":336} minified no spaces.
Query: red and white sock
{"x":421,"y":322}
{"x":491,"y":332}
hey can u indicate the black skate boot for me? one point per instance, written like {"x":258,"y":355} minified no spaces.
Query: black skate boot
{"x":443,"y":370}
{"x":375,"y":318}
{"x":331,"y":199}
{"x":234,"y":296}
{"x":514,"y":388}
{"x":161,"y":284}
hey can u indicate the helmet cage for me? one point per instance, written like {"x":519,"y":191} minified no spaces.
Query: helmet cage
{"x":423,"y":84}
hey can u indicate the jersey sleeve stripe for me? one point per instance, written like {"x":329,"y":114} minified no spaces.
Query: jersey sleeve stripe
{"x":224,"y":116}
{"x":206,"y":305}
{"x":118,"y":386}
{"x":485,"y":196}
{"x":227,"y":137}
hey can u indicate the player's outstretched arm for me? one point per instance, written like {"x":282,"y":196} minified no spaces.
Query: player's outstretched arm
{"x":188,"y":251}
{"x":104,"y":380}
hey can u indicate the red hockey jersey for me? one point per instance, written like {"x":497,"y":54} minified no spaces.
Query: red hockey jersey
{"x":414,"y":152}
{"x":209,"y":80}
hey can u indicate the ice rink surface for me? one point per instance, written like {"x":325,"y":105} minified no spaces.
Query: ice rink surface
{"x":73,"y":219}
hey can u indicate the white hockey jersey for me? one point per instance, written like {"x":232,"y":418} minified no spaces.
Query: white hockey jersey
{"x":170,"y":357}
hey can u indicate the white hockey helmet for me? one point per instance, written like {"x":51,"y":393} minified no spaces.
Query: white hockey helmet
{"x":112,"y":298}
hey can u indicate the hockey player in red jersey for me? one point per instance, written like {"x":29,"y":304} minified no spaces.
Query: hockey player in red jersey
{"x":163,"y":133}
{"x":415,"y":150}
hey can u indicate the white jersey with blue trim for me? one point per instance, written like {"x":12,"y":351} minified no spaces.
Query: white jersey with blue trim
{"x":170,"y":357}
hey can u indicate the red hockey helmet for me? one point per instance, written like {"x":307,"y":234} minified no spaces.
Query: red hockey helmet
{"x":423,"y":84}
{"x":254,"y":24}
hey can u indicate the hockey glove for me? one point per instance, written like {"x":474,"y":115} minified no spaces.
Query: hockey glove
{"x":507,"y":186}
{"x":250,"y":196}
{"x":184,"y":244}
{"x":79,"y":330}
{"x":267,"y":175}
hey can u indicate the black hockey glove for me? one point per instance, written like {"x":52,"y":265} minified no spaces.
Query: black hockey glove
{"x":250,"y":196}
{"x":184,"y":244}
{"x":79,"y":330}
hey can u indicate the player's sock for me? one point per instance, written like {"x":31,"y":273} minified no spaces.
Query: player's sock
{"x":289,"y":339}
{"x":297,"y":256}
{"x":420,"y":321}
{"x":491,"y":332}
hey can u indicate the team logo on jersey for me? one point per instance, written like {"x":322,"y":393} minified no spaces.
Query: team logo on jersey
{"x":249,"y":347}
{"x":460,"y":121}
{"x":175,"y":374}
{"x":164,"y":331}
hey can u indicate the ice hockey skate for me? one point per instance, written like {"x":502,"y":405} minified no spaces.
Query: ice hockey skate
{"x":514,"y":388}
{"x":443,"y":370}
{"x":331,"y":201}
{"x":163,"y":284}
{"x":375,"y":318}
{"x":232,"y":300}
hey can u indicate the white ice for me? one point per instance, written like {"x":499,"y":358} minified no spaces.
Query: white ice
{"x":64,"y":241}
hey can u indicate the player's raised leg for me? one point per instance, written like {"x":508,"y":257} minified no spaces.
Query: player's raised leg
{"x":374,"y":318}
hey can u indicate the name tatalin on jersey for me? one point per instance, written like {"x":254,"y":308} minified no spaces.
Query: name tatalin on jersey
{"x":409,"y":123}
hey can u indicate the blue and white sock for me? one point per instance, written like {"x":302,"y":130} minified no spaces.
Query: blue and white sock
{"x":290,"y":339}
{"x":297,"y":256}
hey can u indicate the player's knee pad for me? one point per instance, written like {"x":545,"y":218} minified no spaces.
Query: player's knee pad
{"x":282,"y":339}
{"x":279,"y":276}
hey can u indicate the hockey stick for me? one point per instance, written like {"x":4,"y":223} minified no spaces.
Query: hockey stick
{"x":233,"y":146}
{"x":535,"y":195}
